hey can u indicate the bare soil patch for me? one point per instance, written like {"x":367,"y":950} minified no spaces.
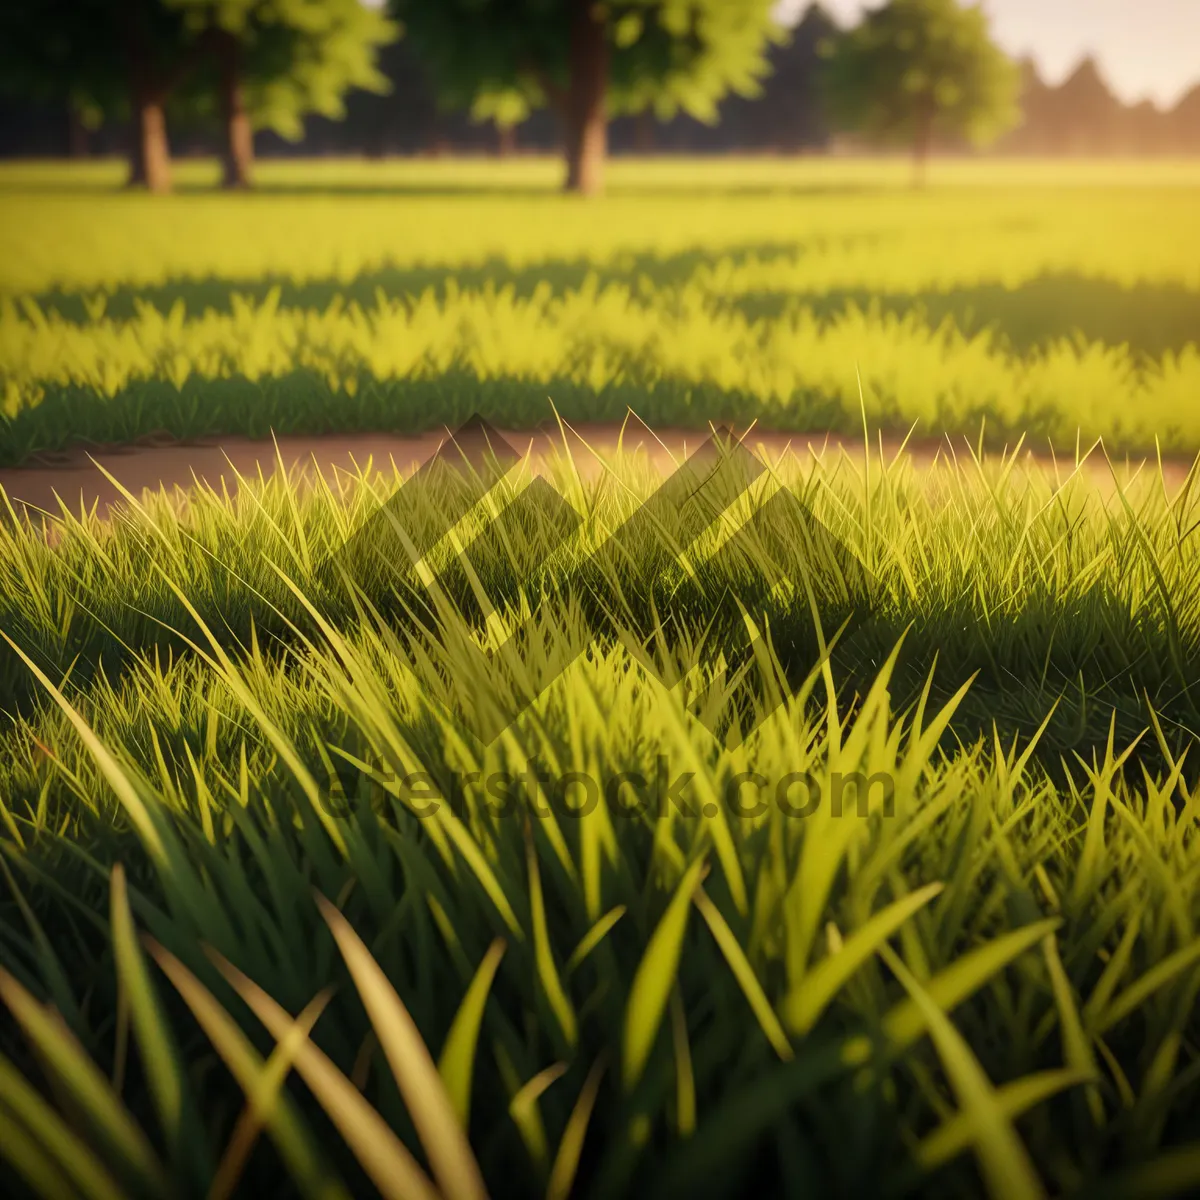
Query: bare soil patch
{"x":79,"y":477}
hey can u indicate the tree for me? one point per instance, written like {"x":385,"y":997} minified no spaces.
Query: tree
{"x":1185,"y":122}
{"x":504,"y":110}
{"x":591,"y":60}
{"x":915,"y":70}
{"x":1082,"y":115}
{"x":256,"y":62}
{"x":271,"y":62}
{"x":1087,"y":117}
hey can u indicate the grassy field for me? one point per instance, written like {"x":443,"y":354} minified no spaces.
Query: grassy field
{"x":237,"y":730}
{"x":823,"y":828}
{"x":1053,"y":301}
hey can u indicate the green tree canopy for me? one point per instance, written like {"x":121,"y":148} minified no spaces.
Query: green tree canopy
{"x":590,"y":61}
{"x":914,"y":70}
{"x":271,"y":62}
{"x":257,"y":63}
{"x":296,"y":56}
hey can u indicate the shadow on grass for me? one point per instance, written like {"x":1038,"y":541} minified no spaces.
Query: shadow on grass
{"x":1151,"y":318}
{"x":561,"y":274}
{"x":302,"y":403}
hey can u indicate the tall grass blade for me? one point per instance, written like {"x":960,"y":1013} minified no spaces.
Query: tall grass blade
{"x":456,"y":1064}
{"x":655,"y":977}
{"x":417,"y":1077}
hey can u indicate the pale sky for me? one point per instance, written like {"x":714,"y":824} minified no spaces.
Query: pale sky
{"x":1145,"y":48}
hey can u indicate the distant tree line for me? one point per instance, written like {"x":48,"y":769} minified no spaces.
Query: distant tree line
{"x":1082,"y":116}
{"x":240,"y":77}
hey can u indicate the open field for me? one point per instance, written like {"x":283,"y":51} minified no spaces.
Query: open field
{"x":813,"y":825}
{"x":1053,"y":301}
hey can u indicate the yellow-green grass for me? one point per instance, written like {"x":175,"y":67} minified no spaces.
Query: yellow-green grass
{"x":1052,"y":299}
{"x":989,"y":989}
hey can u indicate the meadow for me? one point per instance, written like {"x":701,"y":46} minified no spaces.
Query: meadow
{"x":266,"y":922}
{"x":1056,"y":302}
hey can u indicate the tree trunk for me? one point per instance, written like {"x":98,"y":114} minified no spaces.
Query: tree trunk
{"x":506,"y":140}
{"x":586,"y":118}
{"x":150,"y":160}
{"x":149,"y":153}
{"x":237,"y":155}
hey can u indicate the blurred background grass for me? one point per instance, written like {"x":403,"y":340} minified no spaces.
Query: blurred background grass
{"x":1057,"y":300}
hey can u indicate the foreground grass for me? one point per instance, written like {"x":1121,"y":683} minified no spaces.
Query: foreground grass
{"x":989,"y":986}
{"x":1054,"y":593}
{"x":1054,"y":300}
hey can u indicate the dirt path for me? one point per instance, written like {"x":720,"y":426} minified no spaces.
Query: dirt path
{"x":75,"y":478}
